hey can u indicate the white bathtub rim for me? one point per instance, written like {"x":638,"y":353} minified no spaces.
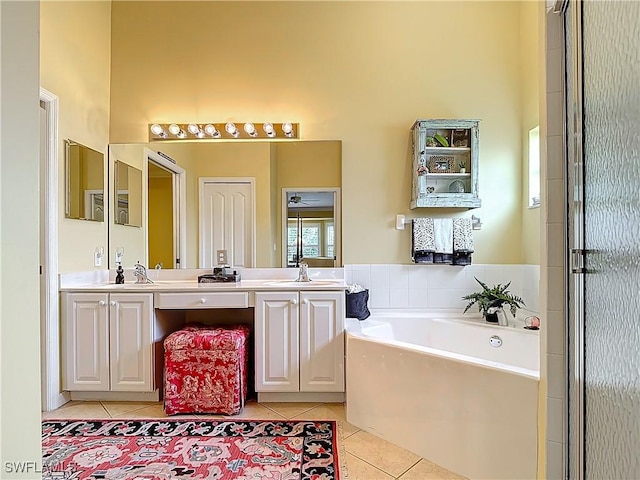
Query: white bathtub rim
{"x":353,"y":330}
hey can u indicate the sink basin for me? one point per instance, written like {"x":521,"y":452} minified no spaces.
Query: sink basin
{"x":312,"y":283}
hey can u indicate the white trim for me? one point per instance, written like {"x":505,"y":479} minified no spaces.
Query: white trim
{"x":179,"y":208}
{"x":201,"y":182}
{"x":52,"y":397}
{"x":337,"y":222}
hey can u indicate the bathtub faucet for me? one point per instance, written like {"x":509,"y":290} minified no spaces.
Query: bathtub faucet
{"x":504,"y":316}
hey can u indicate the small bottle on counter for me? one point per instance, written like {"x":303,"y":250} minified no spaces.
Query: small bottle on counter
{"x":119,"y":275}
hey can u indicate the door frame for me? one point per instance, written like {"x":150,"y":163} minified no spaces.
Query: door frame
{"x":202,"y":181}
{"x":179,"y":185}
{"x":52,"y":394}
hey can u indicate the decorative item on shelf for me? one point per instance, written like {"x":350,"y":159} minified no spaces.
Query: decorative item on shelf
{"x":223,"y":131}
{"x":457,"y":186}
{"x":441,"y":140}
{"x":463,"y":167}
{"x":441,"y":164}
{"x":491,"y":299}
{"x":430,"y":189}
{"x":460,"y":137}
{"x":431,"y":142}
{"x":422,"y":170}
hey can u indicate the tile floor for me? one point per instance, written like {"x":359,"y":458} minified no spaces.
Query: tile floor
{"x":366,"y":456}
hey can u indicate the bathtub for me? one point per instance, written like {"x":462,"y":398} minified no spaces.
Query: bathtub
{"x":441,"y":387}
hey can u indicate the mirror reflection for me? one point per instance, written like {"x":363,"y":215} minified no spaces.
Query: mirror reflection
{"x":128,"y":195}
{"x":311,"y":228}
{"x":202,"y":175}
{"x":84,"y":182}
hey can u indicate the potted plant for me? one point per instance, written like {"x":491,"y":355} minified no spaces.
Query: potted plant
{"x":463,"y":167}
{"x":491,"y":298}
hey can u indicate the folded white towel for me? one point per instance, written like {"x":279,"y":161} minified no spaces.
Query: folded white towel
{"x":443,"y":230}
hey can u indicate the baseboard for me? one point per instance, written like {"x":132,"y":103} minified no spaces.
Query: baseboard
{"x":118,"y":396}
{"x":330,"y":397}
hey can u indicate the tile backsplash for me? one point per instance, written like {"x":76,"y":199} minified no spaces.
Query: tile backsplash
{"x":440,"y":286}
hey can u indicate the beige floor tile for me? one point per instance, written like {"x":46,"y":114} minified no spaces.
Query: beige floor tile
{"x":426,"y":470}
{"x":360,"y":470}
{"x":329,"y":411}
{"x":380,"y":453}
{"x":118,"y":409}
{"x":84,"y":410}
{"x":290,"y":409}
{"x":252,"y":411}
{"x":153,"y":411}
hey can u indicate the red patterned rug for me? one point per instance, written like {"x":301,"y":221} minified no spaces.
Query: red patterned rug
{"x":189,"y":449}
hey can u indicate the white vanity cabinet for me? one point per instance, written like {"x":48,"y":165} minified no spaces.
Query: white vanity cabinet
{"x":107,"y":341}
{"x":299,"y":341}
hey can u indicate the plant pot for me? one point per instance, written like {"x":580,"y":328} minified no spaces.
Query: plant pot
{"x":463,"y":170}
{"x":491,"y":317}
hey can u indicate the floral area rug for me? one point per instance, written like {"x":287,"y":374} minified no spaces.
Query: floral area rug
{"x":189,"y":449}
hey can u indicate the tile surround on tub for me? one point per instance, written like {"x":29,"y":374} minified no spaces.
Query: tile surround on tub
{"x":440,"y":286}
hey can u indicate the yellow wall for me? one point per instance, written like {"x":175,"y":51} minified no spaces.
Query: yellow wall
{"x":361,"y":72}
{"x":529,"y":75}
{"x":75,"y":42}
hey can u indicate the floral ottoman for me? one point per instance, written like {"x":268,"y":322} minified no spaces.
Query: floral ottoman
{"x":205,"y":370}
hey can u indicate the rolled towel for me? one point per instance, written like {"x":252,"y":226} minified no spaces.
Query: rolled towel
{"x":443,"y":229}
{"x":422,"y":240}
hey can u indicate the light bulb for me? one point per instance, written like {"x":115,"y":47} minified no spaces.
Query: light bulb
{"x":250,"y":129}
{"x":156,"y":129}
{"x":193,"y":128}
{"x":211,"y":130}
{"x":231,"y":129}
{"x":200,"y":134}
{"x":287,"y":129}
{"x":268,"y":129}
{"x":182,"y":134}
{"x":174,"y":129}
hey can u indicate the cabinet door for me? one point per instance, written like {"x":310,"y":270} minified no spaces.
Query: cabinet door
{"x":85,"y":339}
{"x":131,"y":356}
{"x":276,"y":338}
{"x":322,"y":342}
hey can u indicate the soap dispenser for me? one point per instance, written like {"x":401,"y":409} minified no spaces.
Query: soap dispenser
{"x":119,"y":274}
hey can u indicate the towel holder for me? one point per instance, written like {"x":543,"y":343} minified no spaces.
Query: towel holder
{"x":401,"y":221}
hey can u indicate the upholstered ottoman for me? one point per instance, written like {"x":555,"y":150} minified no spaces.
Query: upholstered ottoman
{"x":205,"y":370}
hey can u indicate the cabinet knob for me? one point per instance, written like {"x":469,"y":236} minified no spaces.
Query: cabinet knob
{"x":112,"y":303}
{"x":203,"y":300}
{"x":294,"y":302}
{"x":102,"y":303}
{"x":305,"y":301}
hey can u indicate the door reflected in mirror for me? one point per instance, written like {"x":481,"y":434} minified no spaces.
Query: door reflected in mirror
{"x":310,"y":231}
{"x":84,"y":182}
{"x":128,"y":195}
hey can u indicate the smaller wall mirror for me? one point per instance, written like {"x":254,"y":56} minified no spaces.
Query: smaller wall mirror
{"x":84,"y":182}
{"x":128,"y":195}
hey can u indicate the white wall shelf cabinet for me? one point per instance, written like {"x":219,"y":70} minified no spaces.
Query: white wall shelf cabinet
{"x":107,"y":341}
{"x":436,"y":177}
{"x":299,"y":341}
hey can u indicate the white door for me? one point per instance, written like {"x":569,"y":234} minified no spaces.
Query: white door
{"x":277,"y":353}
{"x":131,"y":356}
{"x":226,"y":223}
{"x":86,"y":342}
{"x":321,"y":342}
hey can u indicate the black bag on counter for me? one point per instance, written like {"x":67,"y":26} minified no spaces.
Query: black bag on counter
{"x":357,"y":305}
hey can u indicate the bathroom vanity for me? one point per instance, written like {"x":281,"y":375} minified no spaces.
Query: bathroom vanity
{"x":112,"y":334}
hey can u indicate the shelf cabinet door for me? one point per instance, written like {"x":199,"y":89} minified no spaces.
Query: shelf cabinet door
{"x":130,"y":330}
{"x":276,"y":342}
{"x":85,"y":342}
{"x":321,"y":342}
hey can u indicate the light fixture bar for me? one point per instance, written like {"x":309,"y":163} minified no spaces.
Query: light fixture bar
{"x":223,"y":131}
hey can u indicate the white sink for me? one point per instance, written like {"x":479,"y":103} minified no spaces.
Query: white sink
{"x":312,"y":283}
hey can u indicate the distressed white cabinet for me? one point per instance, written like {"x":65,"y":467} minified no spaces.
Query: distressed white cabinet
{"x":444,"y":159}
{"x":299,"y":341}
{"x":107,"y":342}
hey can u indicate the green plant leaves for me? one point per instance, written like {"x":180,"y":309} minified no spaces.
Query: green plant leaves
{"x":495,"y":296}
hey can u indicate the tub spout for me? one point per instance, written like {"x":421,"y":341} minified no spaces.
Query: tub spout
{"x":505,"y":317}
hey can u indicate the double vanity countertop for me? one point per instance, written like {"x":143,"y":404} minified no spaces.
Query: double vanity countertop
{"x":260,"y":279}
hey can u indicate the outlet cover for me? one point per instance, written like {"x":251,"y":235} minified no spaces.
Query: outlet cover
{"x":222,"y":257}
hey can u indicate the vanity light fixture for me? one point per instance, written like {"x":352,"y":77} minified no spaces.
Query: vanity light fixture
{"x":223,"y":131}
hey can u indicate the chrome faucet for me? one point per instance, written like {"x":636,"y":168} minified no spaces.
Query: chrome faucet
{"x":503,"y":316}
{"x":140,"y":272}
{"x":303,"y":273}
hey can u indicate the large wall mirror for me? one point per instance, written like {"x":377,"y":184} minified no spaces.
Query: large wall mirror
{"x":84,"y":183}
{"x":171,"y":174}
{"x":128,"y":195}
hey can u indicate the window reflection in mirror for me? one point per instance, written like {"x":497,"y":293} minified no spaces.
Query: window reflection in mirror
{"x":84,"y":182}
{"x":128,"y":195}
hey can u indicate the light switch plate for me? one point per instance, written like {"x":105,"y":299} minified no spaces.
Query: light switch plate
{"x":222,"y":257}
